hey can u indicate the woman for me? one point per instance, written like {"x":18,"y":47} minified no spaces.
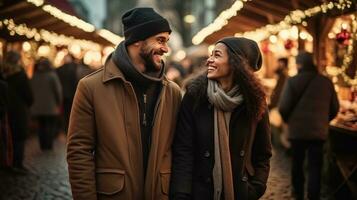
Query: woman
{"x":47,"y":91}
{"x":222,"y":144}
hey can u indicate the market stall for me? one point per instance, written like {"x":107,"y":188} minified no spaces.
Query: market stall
{"x":50,"y":28}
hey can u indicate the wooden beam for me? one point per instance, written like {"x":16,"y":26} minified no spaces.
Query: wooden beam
{"x":272,"y":6}
{"x":242,"y":23}
{"x":249,"y":21}
{"x":272,"y":19}
{"x":271,"y":15}
{"x":12,"y":8}
{"x":295,"y":4}
{"x":43,"y":23}
{"x":238,"y":27}
{"x":252,"y":16}
{"x":25,"y":16}
{"x":58,"y":27}
{"x":304,"y":4}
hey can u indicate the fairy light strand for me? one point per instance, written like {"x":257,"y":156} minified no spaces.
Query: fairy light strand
{"x":45,"y":35}
{"x":219,"y":22}
{"x":347,"y":60}
{"x":74,"y":21}
{"x":293,"y":18}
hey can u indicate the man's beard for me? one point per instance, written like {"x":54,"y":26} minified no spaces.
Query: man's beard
{"x":150,"y":65}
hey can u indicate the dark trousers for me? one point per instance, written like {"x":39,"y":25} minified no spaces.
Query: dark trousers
{"x":67,"y":106}
{"x":46,"y":132}
{"x":314,"y":149}
{"x":18,"y":127}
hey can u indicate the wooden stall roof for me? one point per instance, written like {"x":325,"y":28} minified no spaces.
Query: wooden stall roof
{"x":258,"y":13}
{"x":22,"y":11}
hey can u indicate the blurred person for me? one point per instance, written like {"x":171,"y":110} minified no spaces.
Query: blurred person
{"x":175,"y":73}
{"x":222,"y":147}
{"x":6,"y":155}
{"x":187,"y":65}
{"x":279,"y":129}
{"x":67,"y":74}
{"x":20,"y":98}
{"x":282,"y":74}
{"x":123,"y":118}
{"x":307,"y":104}
{"x":47,"y":90}
{"x":83,"y":70}
{"x":3,"y":96}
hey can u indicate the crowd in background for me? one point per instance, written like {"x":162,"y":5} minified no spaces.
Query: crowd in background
{"x":40,"y":104}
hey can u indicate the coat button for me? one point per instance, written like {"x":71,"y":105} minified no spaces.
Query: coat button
{"x":110,"y":75}
{"x":244,"y":178}
{"x":242,"y":153}
{"x":206,"y":154}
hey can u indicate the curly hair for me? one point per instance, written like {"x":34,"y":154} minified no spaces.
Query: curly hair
{"x":249,"y":85}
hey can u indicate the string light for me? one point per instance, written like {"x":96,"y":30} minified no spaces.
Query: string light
{"x":219,"y":22}
{"x":294,"y":17}
{"x":72,"y":20}
{"x":349,"y":57}
{"x":36,"y":2}
{"x":111,"y":37}
{"x":26,"y":46}
{"x":47,"y":36}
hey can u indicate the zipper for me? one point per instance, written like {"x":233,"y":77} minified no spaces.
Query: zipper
{"x":157,"y":104}
{"x":144,"y":114}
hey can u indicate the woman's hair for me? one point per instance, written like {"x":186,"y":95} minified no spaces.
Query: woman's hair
{"x":249,"y":85}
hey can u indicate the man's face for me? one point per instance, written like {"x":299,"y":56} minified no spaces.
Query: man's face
{"x":152,"y":50}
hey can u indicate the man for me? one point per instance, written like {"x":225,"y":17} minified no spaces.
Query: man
{"x":307,"y":104}
{"x":282,"y":73}
{"x":123,"y":118}
{"x":67,"y":75}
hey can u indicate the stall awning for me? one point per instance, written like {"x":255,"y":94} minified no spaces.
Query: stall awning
{"x":255,"y":14}
{"x":41,"y":15}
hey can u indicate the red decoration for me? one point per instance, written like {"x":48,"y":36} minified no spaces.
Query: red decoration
{"x":343,"y":37}
{"x":265,"y":46}
{"x":288,"y":44}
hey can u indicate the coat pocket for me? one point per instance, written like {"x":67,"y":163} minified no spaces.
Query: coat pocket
{"x":110,"y":181}
{"x":165,"y":176}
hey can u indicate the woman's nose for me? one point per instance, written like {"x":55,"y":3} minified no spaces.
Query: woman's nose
{"x":209,"y":59}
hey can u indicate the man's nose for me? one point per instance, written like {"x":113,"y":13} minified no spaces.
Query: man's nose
{"x":164,"y":48}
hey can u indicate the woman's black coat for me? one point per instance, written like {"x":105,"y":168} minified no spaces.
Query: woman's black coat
{"x":193,"y":152}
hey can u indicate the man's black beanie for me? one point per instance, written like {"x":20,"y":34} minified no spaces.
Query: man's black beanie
{"x":246,"y":48}
{"x":141,"y":23}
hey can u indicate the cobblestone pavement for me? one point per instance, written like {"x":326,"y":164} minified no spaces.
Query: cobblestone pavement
{"x":279,"y":187}
{"x":48,"y":177}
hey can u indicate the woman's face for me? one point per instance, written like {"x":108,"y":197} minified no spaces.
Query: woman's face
{"x":217,"y":64}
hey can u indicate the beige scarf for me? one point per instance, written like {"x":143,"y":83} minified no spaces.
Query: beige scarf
{"x":224,"y":104}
